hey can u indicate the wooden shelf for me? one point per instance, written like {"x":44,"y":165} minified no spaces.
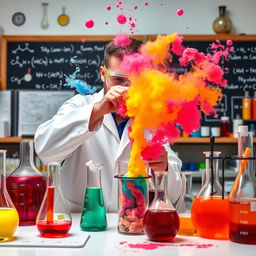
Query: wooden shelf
{"x":206,"y":140}
{"x":12,"y":139}
{"x":182,"y":140}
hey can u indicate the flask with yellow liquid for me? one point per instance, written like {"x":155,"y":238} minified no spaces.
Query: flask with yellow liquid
{"x":9,"y":218}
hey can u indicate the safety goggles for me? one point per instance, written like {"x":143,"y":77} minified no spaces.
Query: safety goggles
{"x":116,"y":78}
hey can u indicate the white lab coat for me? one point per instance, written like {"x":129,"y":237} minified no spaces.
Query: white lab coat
{"x":66,"y":137}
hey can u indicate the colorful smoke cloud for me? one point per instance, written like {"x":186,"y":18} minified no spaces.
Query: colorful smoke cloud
{"x":159,"y":100}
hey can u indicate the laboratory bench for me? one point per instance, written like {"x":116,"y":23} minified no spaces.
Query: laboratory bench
{"x":110,"y":242}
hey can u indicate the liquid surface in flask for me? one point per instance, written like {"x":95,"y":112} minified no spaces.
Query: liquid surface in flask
{"x":242,"y":223}
{"x":93,"y":215}
{"x":27,"y":193}
{"x":210,"y":217}
{"x":161,"y":225}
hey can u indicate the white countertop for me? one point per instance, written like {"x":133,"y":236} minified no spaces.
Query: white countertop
{"x":112,"y":243}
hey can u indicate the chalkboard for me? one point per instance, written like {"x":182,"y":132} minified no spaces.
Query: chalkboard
{"x":43,"y":65}
{"x":239,"y":70}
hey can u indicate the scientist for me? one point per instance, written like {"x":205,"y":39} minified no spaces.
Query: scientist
{"x":86,"y":127}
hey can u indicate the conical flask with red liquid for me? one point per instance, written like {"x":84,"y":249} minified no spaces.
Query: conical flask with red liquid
{"x":210,"y":212}
{"x":242,"y":198}
{"x":54,"y":218}
{"x":9,"y":218}
{"x":26,"y":185}
{"x":161,"y":221}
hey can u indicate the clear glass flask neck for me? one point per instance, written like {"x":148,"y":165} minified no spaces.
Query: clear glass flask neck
{"x":26,"y":165}
{"x":212,"y":186}
{"x":161,"y":199}
{"x":2,"y":170}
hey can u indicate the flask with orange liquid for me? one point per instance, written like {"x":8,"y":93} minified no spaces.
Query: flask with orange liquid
{"x":242,"y":198}
{"x":210,"y":213}
{"x":9,"y":218}
{"x":184,"y":208}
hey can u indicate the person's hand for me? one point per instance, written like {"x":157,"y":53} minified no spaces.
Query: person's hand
{"x":112,"y":98}
{"x":160,"y":164}
{"x":108,"y":104}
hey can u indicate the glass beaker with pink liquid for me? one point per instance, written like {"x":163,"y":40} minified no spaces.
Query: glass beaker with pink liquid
{"x":161,"y":221}
{"x":54,"y":218}
{"x":26,"y":185}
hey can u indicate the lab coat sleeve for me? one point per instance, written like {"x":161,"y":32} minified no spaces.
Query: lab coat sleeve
{"x":174,"y":175}
{"x":58,"y":137}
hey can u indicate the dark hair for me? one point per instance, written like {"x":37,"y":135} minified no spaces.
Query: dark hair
{"x":118,"y":51}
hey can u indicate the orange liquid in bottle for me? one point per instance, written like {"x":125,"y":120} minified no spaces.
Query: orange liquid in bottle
{"x":242,"y":223}
{"x":210,"y":217}
{"x":186,"y":225}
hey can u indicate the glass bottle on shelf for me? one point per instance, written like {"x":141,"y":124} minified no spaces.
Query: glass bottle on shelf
{"x":225,"y":126}
{"x":26,"y":185}
{"x":211,"y":203}
{"x":93,"y":216}
{"x":222,"y":24}
{"x":9,"y":218}
{"x":246,"y":106}
{"x":184,"y":209}
{"x":54,"y":218}
{"x":242,"y":198}
{"x":161,"y":221}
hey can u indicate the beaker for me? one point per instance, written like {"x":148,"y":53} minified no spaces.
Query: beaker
{"x":9,"y":218}
{"x":132,"y":200}
{"x":54,"y":218}
{"x":184,"y":209}
{"x":210,"y":208}
{"x":161,"y":221}
{"x":242,"y":198}
{"x":26,"y":185}
{"x":93,"y":216}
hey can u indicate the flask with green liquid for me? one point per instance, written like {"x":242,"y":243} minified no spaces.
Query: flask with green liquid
{"x":93,"y":216}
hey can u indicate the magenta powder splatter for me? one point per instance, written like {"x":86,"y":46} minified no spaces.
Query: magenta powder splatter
{"x":154,"y":246}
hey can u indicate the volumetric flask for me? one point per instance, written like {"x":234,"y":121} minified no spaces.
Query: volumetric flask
{"x":26,"y":185}
{"x":54,"y":218}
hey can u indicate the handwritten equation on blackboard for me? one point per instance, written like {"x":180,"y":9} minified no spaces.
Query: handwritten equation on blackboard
{"x":240,"y":72}
{"x":44,"y":65}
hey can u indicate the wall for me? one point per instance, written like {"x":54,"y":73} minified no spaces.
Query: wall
{"x":151,"y":19}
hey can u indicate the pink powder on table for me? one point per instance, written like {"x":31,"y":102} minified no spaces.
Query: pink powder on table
{"x":106,"y":23}
{"x":135,"y":7}
{"x":89,"y":23}
{"x":146,"y":4}
{"x":133,"y":25}
{"x":83,"y":40}
{"x":108,"y":7}
{"x":180,"y":12}
{"x":154,"y":246}
{"x":121,"y":19}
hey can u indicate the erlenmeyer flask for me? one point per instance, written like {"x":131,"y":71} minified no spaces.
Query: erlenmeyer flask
{"x":54,"y":218}
{"x":93,"y":216}
{"x":209,"y":208}
{"x":184,"y":210}
{"x":242,"y":198}
{"x":26,"y":185}
{"x":161,"y":221}
{"x":9,"y":218}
